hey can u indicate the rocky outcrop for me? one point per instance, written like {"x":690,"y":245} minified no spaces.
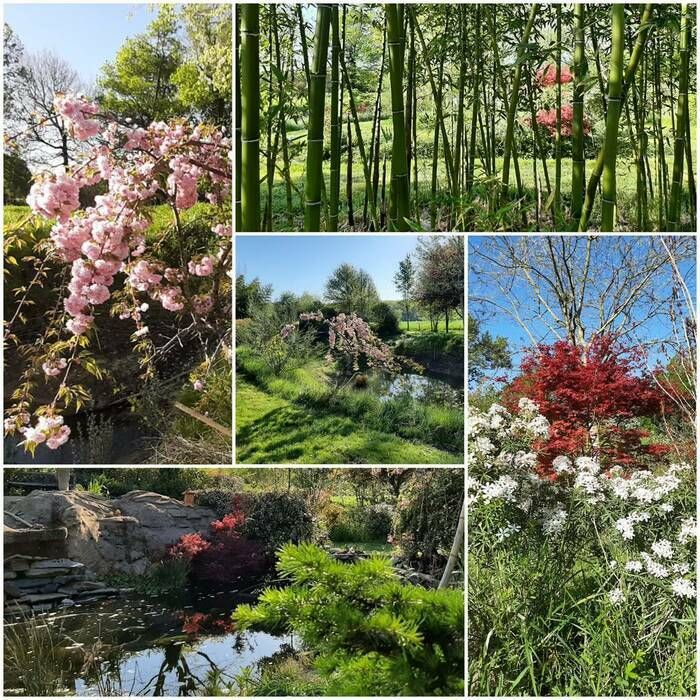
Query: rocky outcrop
{"x":118,"y":535}
{"x":37,"y":584}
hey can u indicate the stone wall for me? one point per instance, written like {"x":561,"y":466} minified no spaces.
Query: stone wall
{"x":108,"y":535}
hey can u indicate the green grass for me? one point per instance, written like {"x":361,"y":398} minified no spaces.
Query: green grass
{"x":369,"y":547}
{"x":456,"y":324}
{"x":272,"y":430}
{"x":308,"y":387}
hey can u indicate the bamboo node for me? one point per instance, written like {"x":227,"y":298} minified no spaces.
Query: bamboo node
{"x":250,"y":140}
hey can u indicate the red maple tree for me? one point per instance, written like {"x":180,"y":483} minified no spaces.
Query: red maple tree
{"x":589,"y":397}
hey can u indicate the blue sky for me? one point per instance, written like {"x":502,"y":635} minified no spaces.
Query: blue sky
{"x":501,"y":324}
{"x":304,"y":263}
{"x":87,"y":36}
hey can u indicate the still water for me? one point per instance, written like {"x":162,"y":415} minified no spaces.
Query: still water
{"x":426,"y":388}
{"x":144,"y":646}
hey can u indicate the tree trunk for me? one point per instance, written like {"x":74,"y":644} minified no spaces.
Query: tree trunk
{"x":454,"y":551}
{"x":348,"y":185}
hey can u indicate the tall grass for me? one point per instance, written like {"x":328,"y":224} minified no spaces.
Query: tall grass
{"x":439,"y":426}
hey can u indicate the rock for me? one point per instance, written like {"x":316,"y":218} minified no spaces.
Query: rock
{"x":20,"y":562}
{"x":9,"y":574}
{"x":39,"y":598}
{"x":100,"y":592}
{"x":12,"y":591}
{"x":62,"y":580}
{"x":118,"y":535}
{"x":67,"y":602}
{"x":56,"y":564}
{"x":49,"y":588}
{"x":45,"y":573}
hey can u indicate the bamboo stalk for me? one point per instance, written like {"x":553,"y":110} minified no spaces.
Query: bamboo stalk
{"x":632,"y":65}
{"x":250,"y":117}
{"x":335,"y":124}
{"x":513,"y":106}
{"x":578,"y":162}
{"x":317,"y":99}
{"x":617,"y":56}
{"x":399,"y":193}
{"x":674,"y":209}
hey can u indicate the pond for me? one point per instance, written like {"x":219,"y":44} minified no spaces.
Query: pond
{"x":143,"y":646}
{"x":427,"y":388}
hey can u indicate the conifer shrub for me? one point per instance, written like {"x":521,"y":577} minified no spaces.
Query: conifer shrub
{"x":370,"y":634}
{"x":426,"y":516}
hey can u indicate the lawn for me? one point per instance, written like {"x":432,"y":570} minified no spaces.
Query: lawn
{"x":270,"y":430}
{"x":456,"y":324}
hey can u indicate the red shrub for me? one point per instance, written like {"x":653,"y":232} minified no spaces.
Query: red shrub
{"x":547,"y":76}
{"x":228,"y":523}
{"x":189,"y":546}
{"x":581,"y":392}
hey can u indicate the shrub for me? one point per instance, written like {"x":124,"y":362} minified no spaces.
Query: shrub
{"x":224,"y":555}
{"x":277,"y":518}
{"x":171,"y":482}
{"x":358,"y":524}
{"x":225,"y":501}
{"x":580,"y":565}
{"x":426,"y":516}
{"x":369,"y":633}
{"x":384,"y":320}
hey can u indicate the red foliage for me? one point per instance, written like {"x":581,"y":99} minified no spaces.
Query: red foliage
{"x":228,"y":523}
{"x":189,"y":546}
{"x":205,"y":622}
{"x":546,"y":77}
{"x":548,"y":119}
{"x":580,"y":392}
{"x":225,"y":555}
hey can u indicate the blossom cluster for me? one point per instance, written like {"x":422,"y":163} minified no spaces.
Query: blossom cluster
{"x":638,"y":512}
{"x":169,"y":161}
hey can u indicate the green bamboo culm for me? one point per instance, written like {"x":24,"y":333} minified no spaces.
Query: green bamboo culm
{"x":239,"y":163}
{"x":639,"y":44}
{"x":513,"y":105}
{"x":335,"y":123}
{"x":674,"y":208}
{"x":557,"y":141}
{"x":617,"y":55}
{"x":249,"y":97}
{"x":399,"y":198}
{"x":314,"y":143}
{"x":578,"y":163}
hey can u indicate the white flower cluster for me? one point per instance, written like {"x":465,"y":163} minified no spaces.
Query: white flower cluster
{"x":502,"y":469}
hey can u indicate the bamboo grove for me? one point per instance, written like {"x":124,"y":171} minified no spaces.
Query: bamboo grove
{"x":465,"y":117}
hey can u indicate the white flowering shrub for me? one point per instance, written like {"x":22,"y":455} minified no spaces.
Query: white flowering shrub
{"x":574,"y":538}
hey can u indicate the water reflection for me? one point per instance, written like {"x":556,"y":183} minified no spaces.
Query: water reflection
{"x":422,"y":387}
{"x":142,"y":647}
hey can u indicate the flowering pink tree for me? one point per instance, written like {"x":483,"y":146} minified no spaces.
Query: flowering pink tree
{"x":106,"y":253}
{"x":353,"y":345}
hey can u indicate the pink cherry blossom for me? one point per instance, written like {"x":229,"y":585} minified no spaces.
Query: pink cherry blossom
{"x":202,"y":268}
